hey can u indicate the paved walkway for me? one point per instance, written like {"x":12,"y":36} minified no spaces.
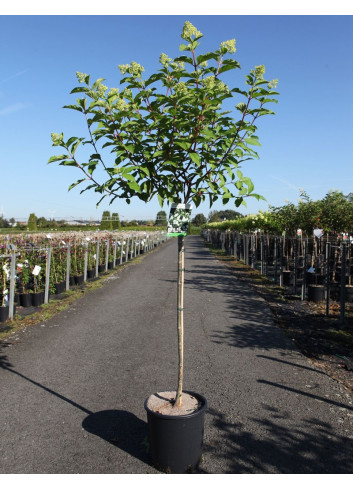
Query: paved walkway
{"x":72,"y":388}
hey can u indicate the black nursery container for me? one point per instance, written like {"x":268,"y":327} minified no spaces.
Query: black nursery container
{"x":4,"y":313}
{"x":25,"y":300}
{"x":176,"y":441}
{"x":78,"y":279}
{"x":315,"y":293}
{"x":37,"y":298}
{"x":60,"y":287}
{"x":286,"y":277}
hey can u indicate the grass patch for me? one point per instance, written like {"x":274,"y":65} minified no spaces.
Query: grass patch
{"x":341,"y":337}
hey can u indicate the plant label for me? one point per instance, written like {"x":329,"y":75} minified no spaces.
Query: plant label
{"x":36,"y":270}
{"x":318,"y":232}
{"x":179,"y":219}
{"x":311,"y":270}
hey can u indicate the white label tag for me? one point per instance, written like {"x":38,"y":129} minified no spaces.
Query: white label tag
{"x":36,"y":270}
{"x":311,"y":270}
{"x":318,"y":232}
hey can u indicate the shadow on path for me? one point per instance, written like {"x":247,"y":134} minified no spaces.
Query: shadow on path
{"x":122,"y":429}
{"x":308,"y":447}
{"x":252,"y":320}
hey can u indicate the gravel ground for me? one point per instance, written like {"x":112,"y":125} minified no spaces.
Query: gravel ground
{"x":72,"y":388}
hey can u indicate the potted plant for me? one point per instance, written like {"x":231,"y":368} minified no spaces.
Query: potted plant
{"x":171,"y":138}
{"x":4,"y":291}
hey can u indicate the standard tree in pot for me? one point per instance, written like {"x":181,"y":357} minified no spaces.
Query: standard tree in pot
{"x":174,"y":135}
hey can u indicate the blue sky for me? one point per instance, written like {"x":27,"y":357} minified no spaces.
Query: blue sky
{"x":308,"y":144}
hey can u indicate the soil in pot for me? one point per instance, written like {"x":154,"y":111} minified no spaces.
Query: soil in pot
{"x":175,"y":434}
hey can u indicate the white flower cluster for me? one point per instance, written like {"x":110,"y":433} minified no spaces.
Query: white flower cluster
{"x":81,"y":77}
{"x":57,"y":138}
{"x":189,"y":30}
{"x":133,"y":69}
{"x":228,"y":46}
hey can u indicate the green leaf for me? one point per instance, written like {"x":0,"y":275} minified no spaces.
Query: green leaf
{"x":249,"y":184}
{"x":74,"y":107}
{"x":68,"y":163}
{"x":228,"y":64}
{"x":92,"y":166}
{"x":57,"y":158}
{"x":205,"y":57}
{"x":160,"y":200}
{"x":184,"y":59}
{"x":253,"y":141}
{"x":77,"y":183}
{"x":183,"y":144}
{"x":195,"y":157}
{"x":80,"y":90}
{"x":134,"y":186}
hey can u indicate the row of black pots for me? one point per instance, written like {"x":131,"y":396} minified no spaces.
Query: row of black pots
{"x":31,"y":299}
{"x":316,"y":293}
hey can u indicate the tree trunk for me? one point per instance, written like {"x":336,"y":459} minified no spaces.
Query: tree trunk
{"x":178,"y":399}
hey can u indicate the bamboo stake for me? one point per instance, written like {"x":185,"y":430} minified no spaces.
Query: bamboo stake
{"x":181,"y":248}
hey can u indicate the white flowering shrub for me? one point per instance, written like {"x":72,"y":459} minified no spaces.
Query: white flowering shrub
{"x":169,"y":135}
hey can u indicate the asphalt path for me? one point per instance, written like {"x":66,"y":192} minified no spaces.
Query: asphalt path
{"x":72,"y":388}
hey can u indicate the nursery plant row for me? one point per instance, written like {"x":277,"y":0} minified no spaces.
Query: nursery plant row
{"x":319,"y":268}
{"x":34,"y":267}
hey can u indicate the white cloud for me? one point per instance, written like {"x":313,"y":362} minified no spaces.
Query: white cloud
{"x":10,"y":109}
{"x":285,"y":182}
{"x":11,"y":77}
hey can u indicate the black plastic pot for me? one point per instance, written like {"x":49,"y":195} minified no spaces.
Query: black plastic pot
{"x":286,"y":277}
{"x":101,"y":268}
{"x":37,"y":298}
{"x":315,"y":293}
{"x":78,"y":279}
{"x":110,"y":265}
{"x":349,"y":293}
{"x":91,"y":273}
{"x":25,"y":300}
{"x":4,"y":313}
{"x":176,"y":441}
{"x":60,"y":287}
{"x":72,"y":280}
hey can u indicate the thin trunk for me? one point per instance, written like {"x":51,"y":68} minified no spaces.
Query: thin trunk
{"x":178,"y":399}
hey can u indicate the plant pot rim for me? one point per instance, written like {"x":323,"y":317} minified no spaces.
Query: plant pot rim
{"x":198,"y":396}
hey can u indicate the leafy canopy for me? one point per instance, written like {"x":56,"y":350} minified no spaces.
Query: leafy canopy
{"x":169,"y":135}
